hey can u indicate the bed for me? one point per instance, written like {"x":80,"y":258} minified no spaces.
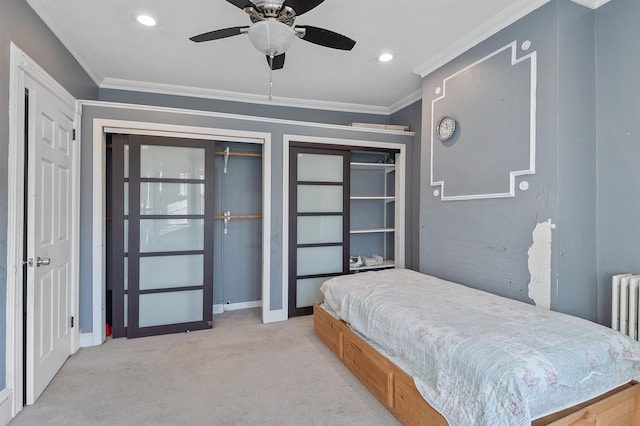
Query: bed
{"x":435,"y":352}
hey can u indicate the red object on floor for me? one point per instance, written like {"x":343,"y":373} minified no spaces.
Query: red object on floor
{"x":108,"y":330}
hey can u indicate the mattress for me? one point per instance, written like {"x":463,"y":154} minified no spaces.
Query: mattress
{"x":478,"y":358}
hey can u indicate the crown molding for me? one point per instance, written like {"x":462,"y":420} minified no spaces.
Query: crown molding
{"x":507,"y":17}
{"x":518,"y":10}
{"x":406,"y":101}
{"x":55,"y":21}
{"x":197,"y":92}
{"x":591,"y":4}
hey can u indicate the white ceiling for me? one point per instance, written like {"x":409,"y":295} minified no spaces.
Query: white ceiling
{"x":117,"y":52}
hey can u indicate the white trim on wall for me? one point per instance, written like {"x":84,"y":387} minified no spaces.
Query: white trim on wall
{"x":22,"y":66}
{"x":224,"y":307}
{"x":591,"y":4}
{"x":6,"y":398}
{"x":57,"y":23}
{"x":532,"y":56}
{"x":223,"y":95}
{"x":86,"y":339}
{"x":519,"y":9}
{"x":100,"y":128}
{"x":224,"y":115}
{"x":400,"y":199}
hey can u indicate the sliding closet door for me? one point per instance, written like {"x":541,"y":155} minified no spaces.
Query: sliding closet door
{"x":165,"y":220}
{"x":318,"y":221}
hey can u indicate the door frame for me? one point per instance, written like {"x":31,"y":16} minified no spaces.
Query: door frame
{"x":294,"y":182}
{"x":100,"y":128}
{"x":23,"y":66}
{"x":329,"y":142}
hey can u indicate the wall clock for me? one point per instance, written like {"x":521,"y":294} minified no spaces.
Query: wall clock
{"x":445,"y":127}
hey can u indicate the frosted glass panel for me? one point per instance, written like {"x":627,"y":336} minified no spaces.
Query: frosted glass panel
{"x":126,"y":310}
{"x":126,"y":274}
{"x":319,"y":198}
{"x":319,"y":260}
{"x":171,"y":162}
{"x":170,"y":308}
{"x":308,"y":291}
{"x":171,"y":235}
{"x":126,"y":235}
{"x":126,"y":198}
{"x":319,"y":229}
{"x":126,"y":161}
{"x":171,"y":271}
{"x":320,"y":168}
{"x":171,"y":198}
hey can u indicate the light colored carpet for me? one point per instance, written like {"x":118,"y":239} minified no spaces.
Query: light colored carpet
{"x":241,"y":372}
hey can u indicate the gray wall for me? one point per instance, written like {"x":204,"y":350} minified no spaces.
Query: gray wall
{"x":230,"y":107}
{"x":484,"y":243}
{"x":277,"y":130}
{"x":618,"y":150}
{"x":576,"y":168}
{"x":20,"y":24}
{"x":412,"y":116}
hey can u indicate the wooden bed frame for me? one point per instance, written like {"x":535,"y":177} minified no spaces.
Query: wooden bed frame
{"x":396,"y":390}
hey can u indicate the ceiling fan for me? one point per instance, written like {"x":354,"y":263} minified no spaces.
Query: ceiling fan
{"x":272,"y":30}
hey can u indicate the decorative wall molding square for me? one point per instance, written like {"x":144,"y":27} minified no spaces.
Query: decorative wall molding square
{"x":496,"y":133}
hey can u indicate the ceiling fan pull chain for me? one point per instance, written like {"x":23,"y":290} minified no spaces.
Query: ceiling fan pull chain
{"x":270,"y":76}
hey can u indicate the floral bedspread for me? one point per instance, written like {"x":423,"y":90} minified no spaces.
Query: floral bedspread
{"x":478,"y":358}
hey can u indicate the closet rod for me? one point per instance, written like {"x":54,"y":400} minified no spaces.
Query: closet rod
{"x":245,"y":216}
{"x":240,"y":154}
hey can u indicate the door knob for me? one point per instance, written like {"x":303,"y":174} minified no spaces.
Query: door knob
{"x":40,"y":261}
{"x":43,"y":261}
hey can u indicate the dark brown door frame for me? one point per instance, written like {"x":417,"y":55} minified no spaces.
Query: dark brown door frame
{"x":118,"y":253}
{"x":294,"y":150}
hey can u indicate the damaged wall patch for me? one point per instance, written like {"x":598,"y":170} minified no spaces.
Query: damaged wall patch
{"x":540,"y":264}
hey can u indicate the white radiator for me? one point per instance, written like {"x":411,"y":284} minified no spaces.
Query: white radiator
{"x":624,"y":304}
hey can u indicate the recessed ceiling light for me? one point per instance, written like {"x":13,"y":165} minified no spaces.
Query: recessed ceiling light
{"x":146,"y":20}
{"x":385,"y":57}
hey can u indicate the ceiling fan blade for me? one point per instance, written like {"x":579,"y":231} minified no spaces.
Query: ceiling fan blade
{"x":218,"y":34}
{"x":301,"y":6}
{"x":326,"y":38}
{"x":242,"y":3}
{"x":278,"y":62}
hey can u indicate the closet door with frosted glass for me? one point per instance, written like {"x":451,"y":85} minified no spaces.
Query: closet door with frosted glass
{"x":163,"y":222}
{"x":318,"y":223}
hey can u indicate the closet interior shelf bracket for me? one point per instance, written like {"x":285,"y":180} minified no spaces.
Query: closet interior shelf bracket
{"x":227,"y":153}
{"x":226,"y":161}
{"x":227,"y":216}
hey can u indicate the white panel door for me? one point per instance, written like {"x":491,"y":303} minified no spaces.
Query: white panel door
{"x":49,"y":238}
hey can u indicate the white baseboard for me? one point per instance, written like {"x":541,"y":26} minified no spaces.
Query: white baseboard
{"x":6,"y":399}
{"x":86,"y":340}
{"x":218,"y":309}
{"x":274,"y":316}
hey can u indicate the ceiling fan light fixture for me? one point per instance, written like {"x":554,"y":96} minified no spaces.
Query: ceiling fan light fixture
{"x":271,"y":37}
